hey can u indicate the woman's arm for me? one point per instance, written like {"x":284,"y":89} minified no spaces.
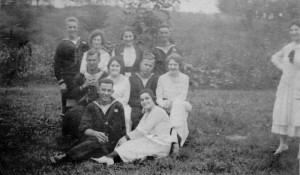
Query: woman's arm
{"x":146,"y":125}
{"x":160,"y":93}
{"x":83,"y":64}
{"x":104,"y":59}
{"x":277,"y":59}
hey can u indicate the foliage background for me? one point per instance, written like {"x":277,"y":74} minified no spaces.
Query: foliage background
{"x":229,"y":50}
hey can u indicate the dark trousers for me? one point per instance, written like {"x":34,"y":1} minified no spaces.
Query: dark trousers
{"x":89,"y":147}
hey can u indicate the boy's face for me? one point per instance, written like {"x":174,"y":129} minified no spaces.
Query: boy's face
{"x":147,"y":66}
{"x":92,"y":61}
{"x":105,"y":92}
{"x":72,"y":29}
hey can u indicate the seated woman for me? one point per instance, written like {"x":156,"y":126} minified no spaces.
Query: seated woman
{"x":121,"y":87}
{"x":171,"y":92}
{"x":96,"y":41}
{"x":129,"y":52}
{"x":84,"y":92}
{"x":150,"y":138}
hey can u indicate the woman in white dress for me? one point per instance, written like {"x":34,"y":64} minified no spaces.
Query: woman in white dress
{"x":171,"y":92}
{"x":150,"y":138}
{"x":286,"y":113}
{"x":121,"y":87}
{"x":96,"y":41}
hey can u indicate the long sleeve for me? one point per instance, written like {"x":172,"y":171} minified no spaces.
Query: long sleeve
{"x":87,"y":118}
{"x":160,"y":92}
{"x":83,"y":64}
{"x":104,"y":59}
{"x":126,"y":94}
{"x":146,"y":125}
{"x":58,"y":63}
{"x":277,"y":59}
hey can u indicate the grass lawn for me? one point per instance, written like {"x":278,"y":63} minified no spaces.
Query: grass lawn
{"x":229,"y":134}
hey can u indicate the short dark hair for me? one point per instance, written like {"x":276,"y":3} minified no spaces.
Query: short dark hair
{"x":127,"y":29}
{"x":93,"y":51}
{"x":119,"y":60}
{"x":150,"y":92}
{"x":96,"y":33}
{"x":106,"y":81}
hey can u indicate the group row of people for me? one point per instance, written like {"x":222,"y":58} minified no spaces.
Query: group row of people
{"x":129,"y":103}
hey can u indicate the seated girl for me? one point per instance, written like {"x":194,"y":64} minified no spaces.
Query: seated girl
{"x":84,"y":92}
{"x":171,"y":92}
{"x":150,"y":138}
{"x":121,"y":87}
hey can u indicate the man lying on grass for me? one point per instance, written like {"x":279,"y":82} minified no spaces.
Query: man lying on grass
{"x":102,"y":125}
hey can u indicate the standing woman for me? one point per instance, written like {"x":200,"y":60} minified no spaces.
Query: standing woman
{"x":150,"y":138}
{"x":96,"y":41}
{"x":286,"y":113}
{"x":121,"y":87}
{"x":129,"y":52}
{"x":164,"y":47}
{"x":171,"y":92}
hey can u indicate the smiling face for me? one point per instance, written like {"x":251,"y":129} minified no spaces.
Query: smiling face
{"x":114,"y":68}
{"x":92,"y":61}
{"x":128,"y":38}
{"x":147,"y":66}
{"x":96,"y":42}
{"x":173,"y":66}
{"x":146,"y":101}
{"x":295,"y":33}
{"x":72,"y":29}
{"x":164,"y":34}
{"x":105,"y":92}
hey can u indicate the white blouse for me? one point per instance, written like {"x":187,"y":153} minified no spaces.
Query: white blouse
{"x":122,"y":90}
{"x":171,"y":89}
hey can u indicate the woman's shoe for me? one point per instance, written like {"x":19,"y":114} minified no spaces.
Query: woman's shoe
{"x":104,"y":159}
{"x":280,"y":149}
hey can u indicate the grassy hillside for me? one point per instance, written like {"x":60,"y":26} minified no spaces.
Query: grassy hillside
{"x":225,"y":53}
{"x":229,"y":134}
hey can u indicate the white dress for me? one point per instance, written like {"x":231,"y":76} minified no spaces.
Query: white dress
{"x":175,"y":91}
{"x":150,"y":138}
{"x":122,"y":94}
{"x":102,"y":65}
{"x":286,"y":113}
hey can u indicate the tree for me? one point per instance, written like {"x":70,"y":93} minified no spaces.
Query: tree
{"x":17,"y":19}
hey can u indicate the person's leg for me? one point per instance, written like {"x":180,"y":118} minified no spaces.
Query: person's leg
{"x":109,"y":159}
{"x":88,"y":148}
{"x":283,"y":146}
{"x":128,"y":122}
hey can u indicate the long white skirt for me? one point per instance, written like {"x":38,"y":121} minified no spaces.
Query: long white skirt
{"x":141,"y":148}
{"x":178,"y":118}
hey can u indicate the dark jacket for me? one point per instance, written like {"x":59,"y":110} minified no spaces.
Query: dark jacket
{"x":112,"y":123}
{"x":160,"y":58}
{"x":67,"y":60}
{"x":119,"y":51}
{"x":136,"y":86}
{"x":86,"y":95}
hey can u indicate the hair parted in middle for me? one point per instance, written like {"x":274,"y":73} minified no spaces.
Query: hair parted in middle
{"x":177,"y":58}
{"x":119,"y":60}
{"x":150,"y":92}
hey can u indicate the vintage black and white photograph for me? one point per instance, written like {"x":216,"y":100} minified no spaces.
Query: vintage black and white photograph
{"x":148,"y":87}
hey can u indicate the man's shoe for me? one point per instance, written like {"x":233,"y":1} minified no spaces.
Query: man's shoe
{"x":58,"y":158}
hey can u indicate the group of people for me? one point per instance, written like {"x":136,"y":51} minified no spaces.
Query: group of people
{"x":123,"y":105}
